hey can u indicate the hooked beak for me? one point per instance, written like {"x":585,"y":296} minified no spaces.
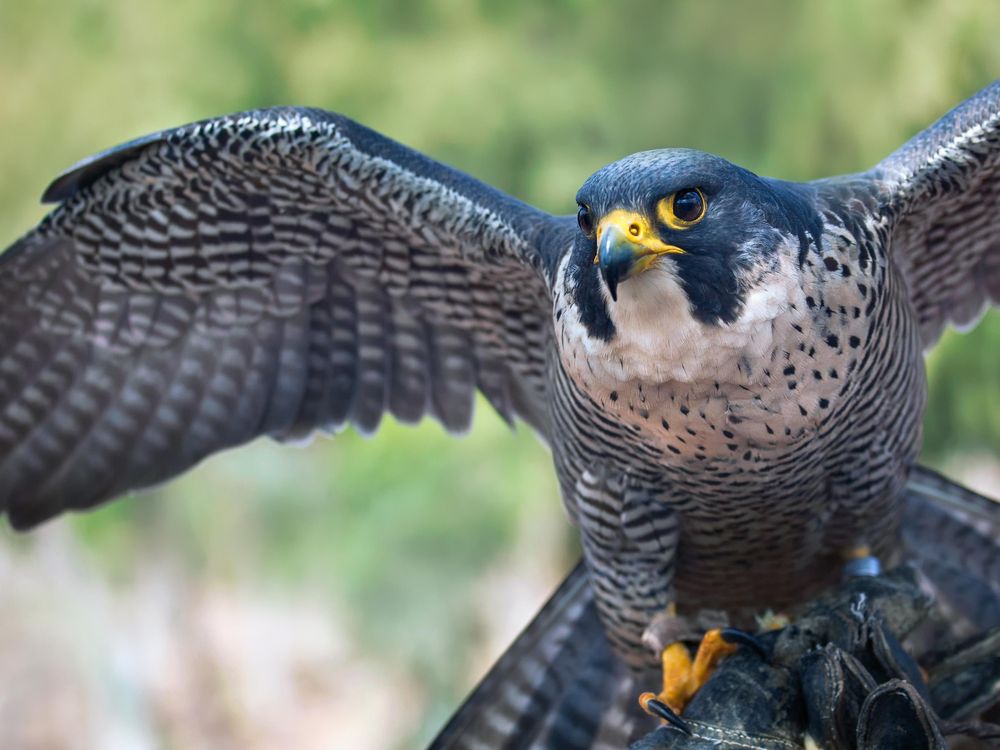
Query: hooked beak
{"x":626,"y":246}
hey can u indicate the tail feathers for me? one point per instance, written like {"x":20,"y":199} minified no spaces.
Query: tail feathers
{"x":953,"y":535}
{"x":558,"y":686}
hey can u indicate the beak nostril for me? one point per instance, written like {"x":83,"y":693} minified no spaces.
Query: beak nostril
{"x":633,"y":229}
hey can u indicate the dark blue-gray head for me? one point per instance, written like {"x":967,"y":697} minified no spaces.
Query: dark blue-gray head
{"x":717,"y":225}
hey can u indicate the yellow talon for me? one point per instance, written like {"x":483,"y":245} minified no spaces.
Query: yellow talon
{"x":712,"y":649}
{"x":676,"y":663}
{"x":682,"y":676}
{"x":644,"y":699}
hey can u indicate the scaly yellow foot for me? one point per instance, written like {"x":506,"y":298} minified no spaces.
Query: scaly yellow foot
{"x":682,"y":676}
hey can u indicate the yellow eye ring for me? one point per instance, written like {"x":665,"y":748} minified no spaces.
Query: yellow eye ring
{"x":683,"y":209}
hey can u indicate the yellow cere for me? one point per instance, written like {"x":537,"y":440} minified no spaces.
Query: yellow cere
{"x":637,"y":230}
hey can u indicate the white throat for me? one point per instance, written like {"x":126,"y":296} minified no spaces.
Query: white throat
{"x":658,"y":341}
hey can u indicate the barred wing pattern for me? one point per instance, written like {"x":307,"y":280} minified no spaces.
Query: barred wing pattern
{"x":559,"y":685}
{"x":944,"y":214}
{"x":268,"y":273}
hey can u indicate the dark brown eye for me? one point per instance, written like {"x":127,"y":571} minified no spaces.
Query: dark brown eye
{"x":688,"y":205}
{"x":586,"y":220}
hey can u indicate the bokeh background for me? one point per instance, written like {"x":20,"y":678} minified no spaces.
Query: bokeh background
{"x":349,"y":593}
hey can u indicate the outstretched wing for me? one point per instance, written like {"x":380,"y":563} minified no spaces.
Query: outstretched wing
{"x":944,"y":214}
{"x":267,"y":273}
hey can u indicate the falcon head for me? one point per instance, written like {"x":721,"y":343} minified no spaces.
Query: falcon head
{"x":674,"y":244}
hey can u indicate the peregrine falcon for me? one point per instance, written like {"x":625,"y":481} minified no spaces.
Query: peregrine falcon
{"x":728,"y":368}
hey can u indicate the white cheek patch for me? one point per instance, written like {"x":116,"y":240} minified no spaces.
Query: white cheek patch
{"x":658,"y":340}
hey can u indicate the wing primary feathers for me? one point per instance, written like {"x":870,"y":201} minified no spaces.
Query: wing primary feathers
{"x":374,"y":359}
{"x":410,"y":365}
{"x":339,"y":397}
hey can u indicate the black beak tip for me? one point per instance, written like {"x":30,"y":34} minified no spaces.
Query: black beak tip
{"x":610,"y":276}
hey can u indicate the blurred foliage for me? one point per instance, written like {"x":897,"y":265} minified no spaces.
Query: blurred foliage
{"x":531,"y":97}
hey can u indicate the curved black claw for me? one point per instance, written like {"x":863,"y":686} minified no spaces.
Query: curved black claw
{"x":743,"y":638}
{"x":661,"y":709}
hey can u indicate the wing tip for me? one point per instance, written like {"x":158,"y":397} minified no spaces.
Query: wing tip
{"x":87,"y":171}
{"x":23,"y":516}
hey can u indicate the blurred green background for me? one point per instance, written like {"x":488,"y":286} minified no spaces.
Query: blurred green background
{"x":349,"y":593}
